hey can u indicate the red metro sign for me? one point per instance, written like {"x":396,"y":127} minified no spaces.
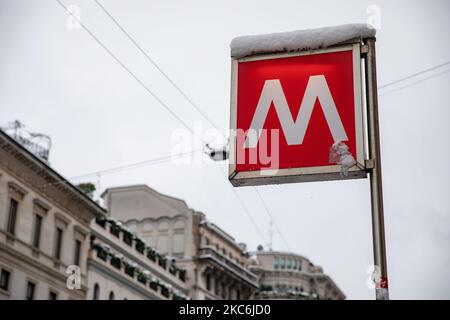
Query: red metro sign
{"x":297,"y":117}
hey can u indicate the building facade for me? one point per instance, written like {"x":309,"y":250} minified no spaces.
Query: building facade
{"x":44,"y":228}
{"x":291,"y":276}
{"x":122,"y":266}
{"x":57,"y":243}
{"x":216,"y":265}
{"x":222,"y":265}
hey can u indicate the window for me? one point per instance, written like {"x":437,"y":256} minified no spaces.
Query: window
{"x":37,"y":231}
{"x":96,"y":293}
{"x":127,"y":238}
{"x":4,"y":280}
{"x":182,"y":275}
{"x":140,"y":246}
{"x":216,"y":287}
{"x":208,"y":282}
{"x":77,"y":254}
{"x":30,"y":290}
{"x":162,"y":241}
{"x":114,"y":230}
{"x":154,"y":285}
{"x":223,"y":291}
{"x":165,"y":292}
{"x":178,"y":243}
{"x":13,"y":205}
{"x":52,"y":295}
{"x":129,"y":270}
{"x":116,"y":262}
{"x":111,"y":295}
{"x":58,"y":243}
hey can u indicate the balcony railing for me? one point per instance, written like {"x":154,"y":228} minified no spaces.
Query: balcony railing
{"x":132,"y":270}
{"x":116,"y":228}
{"x":206,"y":252}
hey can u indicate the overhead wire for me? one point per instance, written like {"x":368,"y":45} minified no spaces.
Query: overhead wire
{"x":153,"y":62}
{"x":195,"y":106}
{"x":113,"y":170}
{"x":384,"y":86}
{"x":131,"y":73}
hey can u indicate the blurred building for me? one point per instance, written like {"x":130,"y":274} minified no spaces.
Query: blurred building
{"x":44,"y":228}
{"x":291,"y":276}
{"x":216,"y":265}
{"x":54,"y":237}
{"x":147,"y":246}
{"x":122,"y":266}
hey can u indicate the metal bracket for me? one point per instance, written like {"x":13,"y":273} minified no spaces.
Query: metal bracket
{"x":364,"y":49}
{"x":370,"y":164}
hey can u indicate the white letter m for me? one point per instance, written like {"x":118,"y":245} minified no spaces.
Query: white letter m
{"x":295,"y":131}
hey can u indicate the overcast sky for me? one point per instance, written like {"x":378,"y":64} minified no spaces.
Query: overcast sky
{"x":60,"y":82}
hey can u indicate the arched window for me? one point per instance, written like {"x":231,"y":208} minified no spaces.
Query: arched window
{"x":96,"y":294}
{"x":111,"y":295}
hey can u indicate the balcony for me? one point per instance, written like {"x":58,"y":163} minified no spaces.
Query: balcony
{"x":210,"y":253}
{"x":106,"y":256}
{"x":127,"y":237}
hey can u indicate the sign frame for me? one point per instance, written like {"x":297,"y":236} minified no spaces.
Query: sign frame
{"x":307,"y":174}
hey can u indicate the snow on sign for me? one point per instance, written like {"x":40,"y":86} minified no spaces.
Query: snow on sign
{"x":297,"y":116}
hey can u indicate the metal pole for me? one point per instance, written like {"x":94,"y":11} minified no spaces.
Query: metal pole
{"x":376,"y":189}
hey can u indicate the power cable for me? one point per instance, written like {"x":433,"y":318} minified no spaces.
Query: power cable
{"x":266,"y":208}
{"x":153,"y":62}
{"x":195,"y":106}
{"x":133,"y":75}
{"x":245,"y":209}
{"x":413,"y":75}
{"x":414,"y":83}
{"x":135,"y":165}
{"x":151,"y":92}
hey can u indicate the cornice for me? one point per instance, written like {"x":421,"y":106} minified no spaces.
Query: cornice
{"x":50,"y":182}
{"x":20,"y":259}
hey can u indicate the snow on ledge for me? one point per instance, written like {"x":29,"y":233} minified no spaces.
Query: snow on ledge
{"x":299,"y":40}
